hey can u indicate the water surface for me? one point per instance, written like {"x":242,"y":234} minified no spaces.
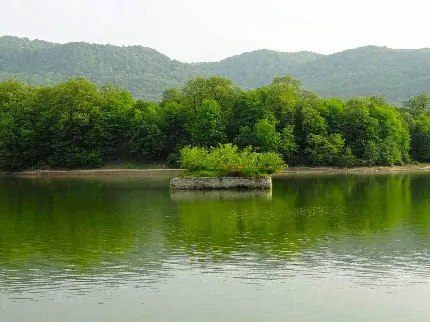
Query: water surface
{"x":326,"y":248}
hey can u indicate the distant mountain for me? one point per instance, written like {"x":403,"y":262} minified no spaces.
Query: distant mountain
{"x":258,"y":68}
{"x":395,"y":74}
{"x":144,"y":71}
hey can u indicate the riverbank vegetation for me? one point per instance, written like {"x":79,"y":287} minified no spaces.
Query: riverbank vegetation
{"x":78,"y":125}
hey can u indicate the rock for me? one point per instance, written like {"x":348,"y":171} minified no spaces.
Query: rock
{"x":220,"y":183}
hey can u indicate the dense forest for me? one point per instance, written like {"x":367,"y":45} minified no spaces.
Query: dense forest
{"x":79,"y":125}
{"x":396,"y":75}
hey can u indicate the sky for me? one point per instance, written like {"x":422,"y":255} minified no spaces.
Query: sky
{"x":203,"y":30}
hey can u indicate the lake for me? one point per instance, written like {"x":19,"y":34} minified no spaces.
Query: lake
{"x":317,"y":248}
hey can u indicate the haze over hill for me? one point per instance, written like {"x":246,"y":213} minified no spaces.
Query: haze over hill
{"x":394,"y":74}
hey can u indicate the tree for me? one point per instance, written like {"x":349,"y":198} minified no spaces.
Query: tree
{"x":323,"y":150}
{"x":308,"y":121}
{"x":199,"y":89}
{"x":77,"y":136}
{"x":418,"y":104}
{"x":421,"y":139}
{"x":287,"y":144}
{"x":359,"y":126}
{"x":333,"y":112}
{"x":247,"y":110}
{"x":116,"y":110}
{"x":173,"y":127}
{"x":281,"y":99}
{"x":16,"y":127}
{"x":393,"y":134}
{"x":147,"y":137}
{"x":390,"y":153}
{"x":372,"y":153}
{"x":267,"y":139}
{"x":206,"y":126}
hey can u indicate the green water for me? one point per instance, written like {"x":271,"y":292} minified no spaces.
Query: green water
{"x":326,"y":248}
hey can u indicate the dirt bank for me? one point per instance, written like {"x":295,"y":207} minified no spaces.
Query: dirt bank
{"x":360,"y":170}
{"x":97,"y":173}
{"x":175,"y":172}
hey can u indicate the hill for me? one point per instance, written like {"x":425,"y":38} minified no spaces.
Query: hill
{"x":258,"y":68}
{"x":143,"y":71}
{"x":395,"y":74}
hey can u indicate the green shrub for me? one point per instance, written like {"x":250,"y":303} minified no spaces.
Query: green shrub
{"x":228,"y":160}
{"x":194,"y":159}
{"x":269,"y":163}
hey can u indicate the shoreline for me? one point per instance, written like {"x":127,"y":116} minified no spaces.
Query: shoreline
{"x":358,"y":170}
{"x":291,"y":171}
{"x":95,"y":173}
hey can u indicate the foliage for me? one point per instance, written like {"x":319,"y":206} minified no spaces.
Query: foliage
{"x":269,"y":162}
{"x":266,"y":136}
{"x":79,"y":125}
{"x":287,"y":144}
{"x":324,"y":150}
{"x":206,"y":127}
{"x":419,"y":104}
{"x":346,"y":158}
{"x":421,"y":139}
{"x":228,"y":160}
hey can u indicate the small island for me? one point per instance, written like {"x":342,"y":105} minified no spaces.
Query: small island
{"x":226,"y":167}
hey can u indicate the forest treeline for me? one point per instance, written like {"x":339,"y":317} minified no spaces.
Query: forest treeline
{"x":78,"y":125}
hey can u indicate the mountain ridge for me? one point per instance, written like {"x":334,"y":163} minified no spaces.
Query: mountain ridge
{"x":396,"y":74}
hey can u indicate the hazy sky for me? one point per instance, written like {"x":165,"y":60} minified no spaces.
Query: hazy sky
{"x":201,"y":30}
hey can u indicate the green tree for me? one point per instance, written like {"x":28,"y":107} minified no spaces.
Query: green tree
{"x":207,"y":127}
{"x":248,"y":109}
{"x":116,"y":110}
{"x":287,"y":144}
{"x":76,"y":135}
{"x":16,"y":127}
{"x":359,"y":126}
{"x":323,"y":150}
{"x":267,"y":139}
{"x":282,"y":97}
{"x":333,"y":112}
{"x":418,"y":104}
{"x":421,"y":139}
{"x":147,"y":137}
{"x":173,"y":127}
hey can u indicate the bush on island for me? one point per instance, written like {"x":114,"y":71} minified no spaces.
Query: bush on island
{"x":226,"y":160}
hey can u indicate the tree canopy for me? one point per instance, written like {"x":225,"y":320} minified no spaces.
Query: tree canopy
{"x":77,"y":124}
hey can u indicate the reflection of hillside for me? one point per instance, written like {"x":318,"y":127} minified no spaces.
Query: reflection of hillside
{"x":128,"y":229}
{"x":306,"y":214}
{"x":76,"y":222}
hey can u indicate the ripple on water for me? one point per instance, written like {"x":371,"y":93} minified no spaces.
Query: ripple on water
{"x":355,"y":233}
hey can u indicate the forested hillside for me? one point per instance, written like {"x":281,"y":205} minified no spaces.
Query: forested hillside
{"x":258,"y":68}
{"x":393,"y":74}
{"x":396,"y":75}
{"x":143,"y":71}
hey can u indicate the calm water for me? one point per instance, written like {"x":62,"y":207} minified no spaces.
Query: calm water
{"x":327,"y":248}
